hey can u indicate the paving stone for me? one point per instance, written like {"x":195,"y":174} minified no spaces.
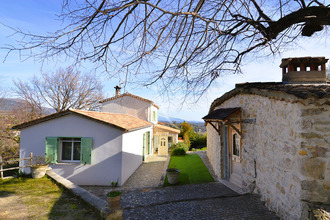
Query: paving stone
{"x":175,"y":193}
{"x":239,"y":207}
{"x":143,"y":200}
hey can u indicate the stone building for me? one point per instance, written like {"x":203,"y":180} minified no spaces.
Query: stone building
{"x":273,"y":139}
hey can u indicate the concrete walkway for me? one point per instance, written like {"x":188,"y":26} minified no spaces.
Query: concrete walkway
{"x":148,"y":175}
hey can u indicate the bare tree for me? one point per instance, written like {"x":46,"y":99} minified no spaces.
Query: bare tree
{"x":192,"y":41}
{"x":61,"y":90}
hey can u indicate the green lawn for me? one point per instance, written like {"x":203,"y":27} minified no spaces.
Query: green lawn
{"x":192,"y":169}
{"x":43,"y":199}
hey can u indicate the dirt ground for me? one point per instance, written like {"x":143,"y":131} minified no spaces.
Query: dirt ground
{"x":11,"y":207}
{"x":40,"y":199}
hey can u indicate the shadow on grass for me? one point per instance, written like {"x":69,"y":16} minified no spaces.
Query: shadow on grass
{"x":69,"y":206}
{"x":14,"y":180}
{"x":4,"y":193}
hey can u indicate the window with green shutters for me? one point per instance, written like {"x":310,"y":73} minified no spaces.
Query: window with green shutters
{"x":65,"y":149}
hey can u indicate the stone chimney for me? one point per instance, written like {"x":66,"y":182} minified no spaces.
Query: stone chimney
{"x":117,"y":90}
{"x":304,"y":70}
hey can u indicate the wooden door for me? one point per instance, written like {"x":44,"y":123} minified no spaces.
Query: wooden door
{"x":234,"y":144}
{"x":163,"y":148}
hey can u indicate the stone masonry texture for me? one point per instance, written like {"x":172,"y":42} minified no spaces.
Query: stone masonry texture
{"x":285,"y":153}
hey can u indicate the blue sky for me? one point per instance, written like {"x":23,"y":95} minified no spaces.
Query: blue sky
{"x":39,"y":16}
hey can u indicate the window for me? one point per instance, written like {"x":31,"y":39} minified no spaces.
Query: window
{"x":70,"y":149}
{"x":64,"y":149}
{"x":163,"y":142}
{"x":170,"y":141}
{"x":154,"y":115}
{"x":236,"y":145}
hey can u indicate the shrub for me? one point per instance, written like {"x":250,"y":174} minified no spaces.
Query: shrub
{"x":182,"y":145}
{"x":178,"y":151}
{"x":199,"y":141}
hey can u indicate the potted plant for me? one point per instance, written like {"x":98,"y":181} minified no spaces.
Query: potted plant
{"x":113,"y":197}
{"x":173,"y":175}
{"x":38,"y":166}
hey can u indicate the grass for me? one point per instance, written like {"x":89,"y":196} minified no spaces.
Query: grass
{"x":199,"y":149}
{"x":192,"y":169}
{"x":44,"y":199}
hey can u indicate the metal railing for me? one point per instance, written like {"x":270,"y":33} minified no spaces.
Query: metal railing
{"x":12,"y":161}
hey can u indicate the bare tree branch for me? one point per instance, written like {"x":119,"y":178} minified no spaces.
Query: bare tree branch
{"x":176,"y":43}
{"x":61,"y":90}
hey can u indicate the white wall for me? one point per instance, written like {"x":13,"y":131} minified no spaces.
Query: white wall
{"x":133,"y":151}
{"x":106,"y":153}
{"x":128,"y":105}
{"x":151,"y":110}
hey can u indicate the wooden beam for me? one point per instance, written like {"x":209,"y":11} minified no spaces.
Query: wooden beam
{"x":231,"y":125}
{"x":217,"y":129}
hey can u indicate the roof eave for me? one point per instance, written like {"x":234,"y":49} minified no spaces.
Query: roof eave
{"x":139,"y":128}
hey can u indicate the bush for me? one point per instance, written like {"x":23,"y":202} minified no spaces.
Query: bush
{"x":182,"y":145}
{"x":178,"y":151}
{"x":199,"y":141}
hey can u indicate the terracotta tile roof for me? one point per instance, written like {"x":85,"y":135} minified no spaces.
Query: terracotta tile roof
{"x":131,"y":95}
{"x":122,"y":121}
{"x":290,"y":92}
{"x":167,"y":128}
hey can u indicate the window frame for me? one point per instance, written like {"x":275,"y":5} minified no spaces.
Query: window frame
{"x":236,"y":141}
{"x":60,"y":150}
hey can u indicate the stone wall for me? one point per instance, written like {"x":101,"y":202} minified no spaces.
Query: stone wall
{"x":314,"y":154}
{"x":278,"y":162}
{"x":213,"y":149}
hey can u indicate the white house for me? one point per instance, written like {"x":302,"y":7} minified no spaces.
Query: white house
{"x":273,"y":139}
{"x":95,"y":148}
{"x":127,"y":103}
{"x":88,"y":148}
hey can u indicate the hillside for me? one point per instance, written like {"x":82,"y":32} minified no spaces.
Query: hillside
{"x":9,"y":104}
{"x":175,"y":123}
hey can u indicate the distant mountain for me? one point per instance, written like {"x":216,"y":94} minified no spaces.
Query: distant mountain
{"x":9,"y":104}
{"x":198,"y":125}
{"x":162,"y":118}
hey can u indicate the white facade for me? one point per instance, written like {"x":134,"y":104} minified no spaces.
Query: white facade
{"x":116,"y":154}
{"x":133,"y":150}
{"x":126,"y":104}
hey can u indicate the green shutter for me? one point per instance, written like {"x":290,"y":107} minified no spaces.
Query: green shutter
{"x":144,"y":145}
{"x":86,"y":150}
{"x":148,"y":136}
{"x":51,"y":148}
